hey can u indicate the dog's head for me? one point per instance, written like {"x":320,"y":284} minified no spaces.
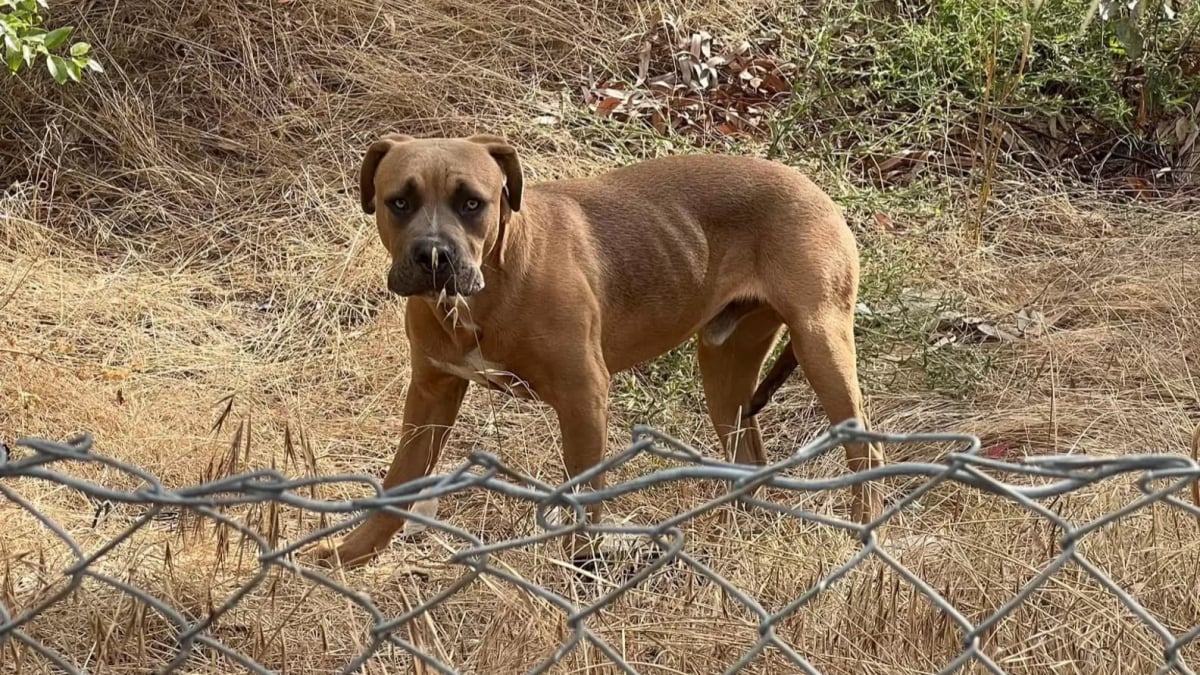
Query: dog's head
{"x":441,"y":206}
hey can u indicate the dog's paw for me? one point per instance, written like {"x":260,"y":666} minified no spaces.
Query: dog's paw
{"x":364,"y":544}
{"x":344,"y":555}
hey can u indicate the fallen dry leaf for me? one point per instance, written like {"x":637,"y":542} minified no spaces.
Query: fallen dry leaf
{"x":644,"y":61}
{"x":606,"y":106}
{"x":996,"y":451}
{"x":1139,"y":187}
{"x":1032,"y":322}
{"x":689,"y":82}
{"x":775,"y":84}
{"x":955,"y":328}
{"x":728,"y":129}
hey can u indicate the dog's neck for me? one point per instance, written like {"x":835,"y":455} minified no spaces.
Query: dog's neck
{"x":509,"y":249}
{"x":508,"y":256}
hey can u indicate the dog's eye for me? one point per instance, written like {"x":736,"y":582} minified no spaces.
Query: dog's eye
{"x":471,"y":205}
{"x":400,"y":204}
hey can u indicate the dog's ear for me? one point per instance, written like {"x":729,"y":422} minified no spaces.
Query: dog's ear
{"x":506,"y":156}
{"x":366,"y":175}
{"x":514,"y":183}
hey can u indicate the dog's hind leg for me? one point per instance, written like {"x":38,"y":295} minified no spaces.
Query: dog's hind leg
{"x":730,"y":372}
{"x":823,"y":340}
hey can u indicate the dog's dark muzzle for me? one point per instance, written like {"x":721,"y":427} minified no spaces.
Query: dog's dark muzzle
{"x":432,"y":267}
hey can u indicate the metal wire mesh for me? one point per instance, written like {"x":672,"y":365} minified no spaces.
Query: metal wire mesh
{"x":1158,"y":476}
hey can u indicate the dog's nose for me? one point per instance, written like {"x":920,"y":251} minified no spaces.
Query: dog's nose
{"x":432,"y":256}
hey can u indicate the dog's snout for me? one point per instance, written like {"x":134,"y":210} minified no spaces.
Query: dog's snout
{"x":433,"y":256}
{"x":434,"y":265}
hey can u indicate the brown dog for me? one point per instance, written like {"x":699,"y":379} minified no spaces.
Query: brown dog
{"x":546,"y":291}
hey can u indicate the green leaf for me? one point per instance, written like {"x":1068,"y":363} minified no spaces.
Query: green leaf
{"x":80,"y":49}
{"x":73,"y":71}
{"x":1130,"y":37}
{"x":77,"y":66}
{"x":56,"y":37}
{"x":94,"y":65}
{"x":57,"y":66}
{"x":14,"y":59}
{"x":12,"y":44}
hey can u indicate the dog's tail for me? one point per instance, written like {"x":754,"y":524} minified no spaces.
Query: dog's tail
{"x":780,"y":370}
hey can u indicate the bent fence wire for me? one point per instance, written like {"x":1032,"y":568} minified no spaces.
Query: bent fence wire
{"x":1157,"y":476}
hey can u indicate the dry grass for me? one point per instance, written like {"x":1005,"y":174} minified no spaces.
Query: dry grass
{"x":186,"y":230}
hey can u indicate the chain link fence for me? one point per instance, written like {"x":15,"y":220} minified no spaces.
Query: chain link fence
{"x":193,"y":640}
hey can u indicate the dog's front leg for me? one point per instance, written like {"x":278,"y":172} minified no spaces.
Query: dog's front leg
{"x":431,"y":406}
{"x":582,"y":410}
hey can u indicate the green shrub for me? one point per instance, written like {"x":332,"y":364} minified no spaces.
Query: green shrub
{"x":899,"y":75}
{"x":26,"y":41}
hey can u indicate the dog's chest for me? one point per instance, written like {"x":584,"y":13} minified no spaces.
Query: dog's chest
{"x":475,"y":368}
{"x":466,"y":359}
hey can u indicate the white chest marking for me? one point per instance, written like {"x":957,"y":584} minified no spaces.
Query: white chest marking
{"x":479,"y":370}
